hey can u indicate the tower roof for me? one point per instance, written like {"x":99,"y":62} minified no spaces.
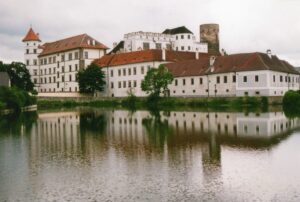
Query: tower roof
{"x":31,"y":36}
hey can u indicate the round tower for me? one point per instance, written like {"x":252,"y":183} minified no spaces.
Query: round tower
{"x":31,"y":51}
{"x":209,"y":33}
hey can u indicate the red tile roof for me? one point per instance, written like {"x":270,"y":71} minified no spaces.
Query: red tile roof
{"x":143,"y":56}
{"x":80,"y":41}
{"x":230,"y":63}
{"x":31,"y":36}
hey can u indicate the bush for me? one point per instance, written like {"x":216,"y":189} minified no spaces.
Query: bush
{"x":2,"y":105}
{"x":291,"y":103}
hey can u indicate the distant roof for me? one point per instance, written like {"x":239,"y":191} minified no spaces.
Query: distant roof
{"x":31,"y":36}
{"x":80,"y":41}
{"x":117,"y":48}
{"x":178,"y":30}
{"x":144,"y":56}
{"x":230,"y":63}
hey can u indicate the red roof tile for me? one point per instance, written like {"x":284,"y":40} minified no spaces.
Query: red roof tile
{"x":31,"y":36}
{"x":143,"y":56}
{"x":230,"y":63}
{"x":80,"y":41}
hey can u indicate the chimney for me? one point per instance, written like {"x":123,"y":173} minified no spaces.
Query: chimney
{"x":164,"y":54}
{"x":212,"y":60}
{"x":269,"y":53}
{"x":197,"y":55}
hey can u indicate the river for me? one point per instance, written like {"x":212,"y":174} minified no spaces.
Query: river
{"x":88,"y":154}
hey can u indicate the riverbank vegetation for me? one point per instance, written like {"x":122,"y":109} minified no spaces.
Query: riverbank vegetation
{"x":15,"y":99}
{"x":291,"y":103}
{"x":162,"y":103}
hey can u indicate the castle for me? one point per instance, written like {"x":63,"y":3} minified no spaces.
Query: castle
{"x":198,"y":67}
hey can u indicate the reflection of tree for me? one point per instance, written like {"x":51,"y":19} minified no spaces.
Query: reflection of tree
{"x":14,"y":123}
{"x":92,"y":122}
{"x":157,"y":129}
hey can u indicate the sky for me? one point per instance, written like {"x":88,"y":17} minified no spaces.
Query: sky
{"x":245,"y":25}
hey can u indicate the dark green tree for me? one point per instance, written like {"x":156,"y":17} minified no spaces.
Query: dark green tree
{"x":156,"y":81}
{"x":91,"y":79}
{"x":18,"y":74}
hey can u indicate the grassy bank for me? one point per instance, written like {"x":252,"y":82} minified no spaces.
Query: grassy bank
{"x":162,"y":103}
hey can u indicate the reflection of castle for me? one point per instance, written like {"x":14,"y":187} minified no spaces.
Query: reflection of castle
{"x":62,"y":130}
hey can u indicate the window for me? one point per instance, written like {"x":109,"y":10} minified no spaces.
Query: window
{"x":45,"y":61}
{"x":182,"y":47}
{"x":57,"y":74}
{"x":35,"y":72}
{"x":70,"y":56}
{"x":158,"y":46}
{"x":70,"y":68}
{"x":201,"y":80}
{"x":63,"y":78}
{"x":176,"y":82}
{"x":129,"y":71}
{"x":62,"y":58}
{"x":256,"y":92}
{"x":146,"y":46}
{"x":134,"y":71}
{"x":273,"y":78}
{"x":182,"y":36}
{"x":50,"y":60}
{"x":41,"y":61}
{"x":281,"y":79}
{"x":27,"y":51}
{"x":189,"y":36}
{"x":86,"y":55}
{"x":246,"y":93}
{"x":189,"y":48}
{"x":111,"y":85}
{"x":218,"y":79}
{"x":119,"y":72}
{"x":70,"y":77}
{"x":35,"y":62}
{"x":124,"y":84}
{"x":256,"y":78}
{"x":111,"y":73}
{"x":34,"y":51}
{"x":129,"y":84}
{"x":183,"y":81}
{"x":49,"y":79}
{"x":54,"y":59}
{"x":233,"y":78}
{"x":148,"y":67}
{"x":176,"y":37}
{"x":245,"y":79}
{"x":54,"y":79}
{"x":192,"y":81}
{"x":124,"y":72}
{"x":76,"y":67}
{"x":134,"y":83}
{"x":168,"y":46}
{"x":49,"y":70}
{"x":62,"y":69}
{"x":119,"y":84}
{"x":225,"y":79}
{"x":76,"y":55}
{"x":142,"y":70}
{"x":27,"y":62}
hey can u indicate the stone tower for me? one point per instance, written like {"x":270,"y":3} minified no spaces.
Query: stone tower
{"x":209,"y":33}
{"x":31,"y":51}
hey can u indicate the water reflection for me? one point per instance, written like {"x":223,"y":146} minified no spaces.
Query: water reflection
{"x":120,"y":155}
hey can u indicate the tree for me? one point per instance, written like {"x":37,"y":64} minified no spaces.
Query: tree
{"x":18,"y":74}
{"x":156,"y":81}
{"x":91,"y":79}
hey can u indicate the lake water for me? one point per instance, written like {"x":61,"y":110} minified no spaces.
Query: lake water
{"x":116,"y":155}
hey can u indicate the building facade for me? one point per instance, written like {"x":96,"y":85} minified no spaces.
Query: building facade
{"x":201,"y":75}
{"x":54,"y":66}
{"x":177,"y":39}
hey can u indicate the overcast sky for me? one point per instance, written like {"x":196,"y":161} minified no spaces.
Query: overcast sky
{"x":245,"y":25}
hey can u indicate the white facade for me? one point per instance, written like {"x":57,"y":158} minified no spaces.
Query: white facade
{"x":123,"y":79}
{"x":58,"y":71}
{"x":127,"y":78}
{"x":137,"y":41}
